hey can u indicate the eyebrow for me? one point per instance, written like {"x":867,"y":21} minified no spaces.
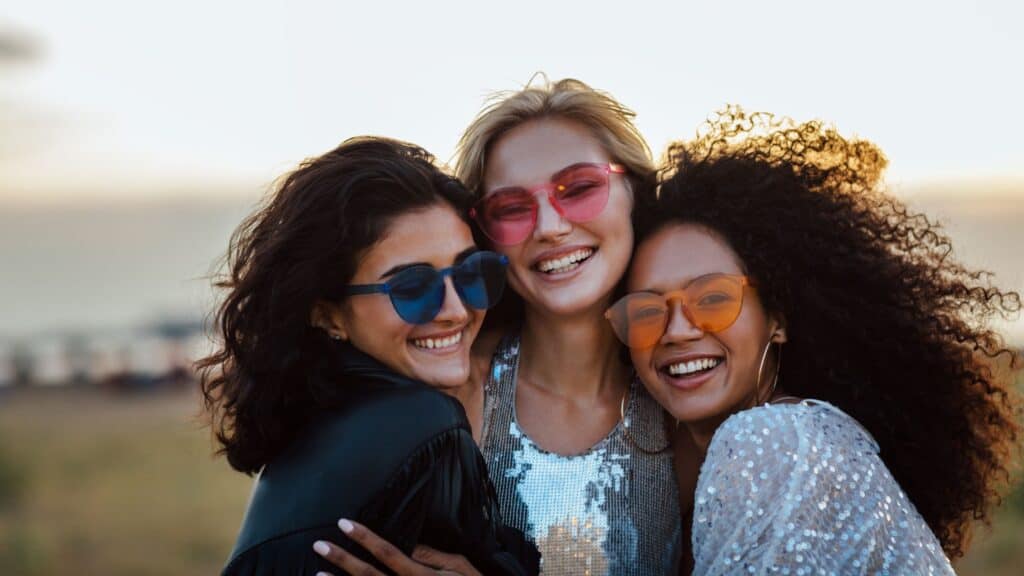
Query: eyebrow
{"x":458,"y":259}
{"x":687,"y":283}
{"x":551,"y":178}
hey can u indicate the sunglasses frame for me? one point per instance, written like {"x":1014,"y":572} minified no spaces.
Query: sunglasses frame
{"x":550,"y":187}
{"x":680,"y":295}
{"x":386,"y":287}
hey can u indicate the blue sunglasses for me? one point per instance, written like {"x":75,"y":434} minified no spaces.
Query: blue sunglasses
{"x":417,"y":293}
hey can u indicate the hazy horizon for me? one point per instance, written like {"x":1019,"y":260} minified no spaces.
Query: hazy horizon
{"x":91,"y":266}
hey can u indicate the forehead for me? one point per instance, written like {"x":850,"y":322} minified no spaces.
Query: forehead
{"x":533,"y":151}
{"x":435,"y":235}
{"x":679,"y":253}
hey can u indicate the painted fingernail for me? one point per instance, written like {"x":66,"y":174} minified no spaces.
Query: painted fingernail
{"x":345,"y":526}
{"x":321,"y":548}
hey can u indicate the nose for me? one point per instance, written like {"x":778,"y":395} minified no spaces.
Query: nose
{"x":679,"y":328}
{"x":453,"y":310}
{"x":550,"y":223}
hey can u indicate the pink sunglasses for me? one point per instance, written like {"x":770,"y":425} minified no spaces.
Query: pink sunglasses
{"x":578,"y":193}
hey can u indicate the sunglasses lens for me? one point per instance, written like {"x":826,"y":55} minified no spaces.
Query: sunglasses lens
{"x":715,"y":302}
{"x":480,"y":279}
{"x":417,"y":294}
{"x":508,"y":216}
{"x":582,"y":193}
{"x":711,"y":303}
{"x":638,"y":319}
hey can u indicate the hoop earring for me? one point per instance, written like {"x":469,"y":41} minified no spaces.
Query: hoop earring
{"x":760,"y":370}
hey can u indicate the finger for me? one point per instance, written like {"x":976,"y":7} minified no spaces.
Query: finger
{"x":387,"y":553}
{"x":444,"y":561}
{"x":339,"y":557}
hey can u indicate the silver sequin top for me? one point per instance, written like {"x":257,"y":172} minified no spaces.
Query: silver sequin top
{"x":613,"y":509}
{"x":800,"y":489}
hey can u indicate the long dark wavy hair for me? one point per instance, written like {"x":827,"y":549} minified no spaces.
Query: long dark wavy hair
{"x":301,"y":246}
{"x":881,"y":320}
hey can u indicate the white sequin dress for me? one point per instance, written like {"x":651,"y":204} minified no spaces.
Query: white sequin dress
{"x":800,"y":489}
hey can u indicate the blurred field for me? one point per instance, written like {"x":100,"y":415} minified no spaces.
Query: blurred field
{"x":96,"y":484}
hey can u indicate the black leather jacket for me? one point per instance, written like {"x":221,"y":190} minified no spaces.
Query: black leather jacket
{"x":398,"y":457}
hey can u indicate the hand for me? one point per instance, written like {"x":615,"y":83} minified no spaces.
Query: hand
{"x":424,"y":561}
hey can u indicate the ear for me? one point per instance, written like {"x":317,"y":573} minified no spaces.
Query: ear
{"x":328,"y":317}
{"x":778,"y":324}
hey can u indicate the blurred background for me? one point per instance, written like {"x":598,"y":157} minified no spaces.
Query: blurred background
{"x":134,"y":136}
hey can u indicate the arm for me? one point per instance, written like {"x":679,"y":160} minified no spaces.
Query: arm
{"x":441,"y":498}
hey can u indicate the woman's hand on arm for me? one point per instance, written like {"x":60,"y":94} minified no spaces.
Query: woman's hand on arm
{"x":424,"y":561}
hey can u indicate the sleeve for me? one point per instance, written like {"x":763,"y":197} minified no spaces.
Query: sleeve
{"x":801,"y":489}
{"x":442,"y":497}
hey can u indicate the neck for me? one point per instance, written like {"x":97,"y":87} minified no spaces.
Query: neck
{"x":703,"y":431}
{"x":576,"y":356}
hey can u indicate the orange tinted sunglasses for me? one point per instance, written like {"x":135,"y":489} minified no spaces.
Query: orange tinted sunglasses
{"x":711,"y":303}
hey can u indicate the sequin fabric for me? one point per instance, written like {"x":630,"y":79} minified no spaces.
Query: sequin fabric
{"x":612,"y":510}
{"x":800,"y":489}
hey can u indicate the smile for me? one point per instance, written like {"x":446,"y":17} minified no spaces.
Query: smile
{"x":692,"y":366}
{"x":438,"y":343}
{"x":565,"y":263}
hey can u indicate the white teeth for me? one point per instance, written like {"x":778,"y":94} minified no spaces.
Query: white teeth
{"x":565,"y":263}
{"x":432,"y":343}
{"x":683,"y":368}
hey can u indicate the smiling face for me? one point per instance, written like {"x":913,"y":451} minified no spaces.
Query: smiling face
{"x":700,"y":377}
{"x":436,"y":352}
{"x":563,"y":268}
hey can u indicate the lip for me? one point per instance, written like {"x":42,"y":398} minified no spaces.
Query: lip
{"x":689,"y":382}
{"x":677,"y":358}
{"x":558,"y":253}
{"x":437,"y":335}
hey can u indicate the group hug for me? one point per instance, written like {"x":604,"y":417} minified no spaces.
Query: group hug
{"x":565,"y":356}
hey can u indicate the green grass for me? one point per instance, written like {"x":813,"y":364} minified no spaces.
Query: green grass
{"x":104,"y":485}
{"x":95,"y":484}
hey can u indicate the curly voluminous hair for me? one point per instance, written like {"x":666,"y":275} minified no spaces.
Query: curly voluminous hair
{"x":300,"y":247}
{"x":880,"y":319}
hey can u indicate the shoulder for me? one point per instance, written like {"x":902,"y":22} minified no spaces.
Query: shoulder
{"x":781,"y":452}
{"x":392,"y":419}
{"x":808,"y":425}
{"x":361,"y":443}
{"x":781,"y":483}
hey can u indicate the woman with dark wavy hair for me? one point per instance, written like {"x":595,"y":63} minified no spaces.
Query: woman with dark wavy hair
{"x":887,"y":428}
{"x":353,"y":297}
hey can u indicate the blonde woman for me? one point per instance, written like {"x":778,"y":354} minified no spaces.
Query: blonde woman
{"x":575,"y":446}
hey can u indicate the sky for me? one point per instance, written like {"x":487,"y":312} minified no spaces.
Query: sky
{"x":136,"y":99}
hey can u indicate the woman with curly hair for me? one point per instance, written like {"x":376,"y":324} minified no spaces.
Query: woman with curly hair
{"x":887,"y":427}
{"x":353,"y":297}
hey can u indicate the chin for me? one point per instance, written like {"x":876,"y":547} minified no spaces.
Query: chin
{"x":445,"y":377}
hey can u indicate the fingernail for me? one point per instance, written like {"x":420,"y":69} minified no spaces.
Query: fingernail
{"x":345,"y":526}
{"x":324,"y":574}
{"x":321,"y":548}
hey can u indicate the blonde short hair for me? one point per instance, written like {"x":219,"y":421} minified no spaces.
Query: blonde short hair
{"x":609,"y":121}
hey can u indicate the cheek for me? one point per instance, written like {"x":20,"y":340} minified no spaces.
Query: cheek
{"x":375,"y":320}
{"x":746,"y":339}
{"x":641,"y":358}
